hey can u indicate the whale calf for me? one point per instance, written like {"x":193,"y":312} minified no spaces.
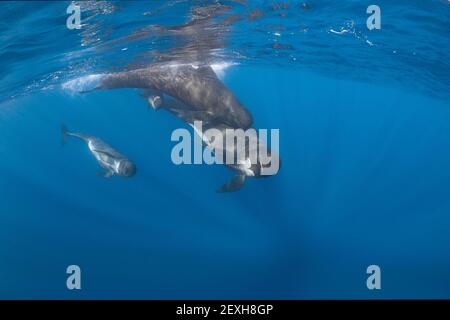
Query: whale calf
{"x":111,"y":160}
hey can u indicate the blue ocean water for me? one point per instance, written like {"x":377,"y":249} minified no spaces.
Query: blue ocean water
{"x":364,"y":140}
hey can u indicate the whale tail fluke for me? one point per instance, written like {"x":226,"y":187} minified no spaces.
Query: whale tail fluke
{"x":64,"y":134}
{"x":84,"y":84}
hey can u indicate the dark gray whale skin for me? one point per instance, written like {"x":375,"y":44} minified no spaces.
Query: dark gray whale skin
{"x":198,"y":88}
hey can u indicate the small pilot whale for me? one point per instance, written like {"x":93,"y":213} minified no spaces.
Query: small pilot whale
{"x":112,"y":161}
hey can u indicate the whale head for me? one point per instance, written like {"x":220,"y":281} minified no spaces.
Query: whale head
{"x":260,"y":169}
{"x":269,"y":167}
{"x":126,"y":168}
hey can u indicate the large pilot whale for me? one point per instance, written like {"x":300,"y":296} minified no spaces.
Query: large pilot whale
{"x":111,"y":160}
{"x":197,"y":87}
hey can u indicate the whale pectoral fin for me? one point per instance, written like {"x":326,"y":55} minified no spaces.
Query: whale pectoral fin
{"x":155,"y":98}
{"x":105,"y":174}
{"x":155,"y":101}
{"x":233,"y":185}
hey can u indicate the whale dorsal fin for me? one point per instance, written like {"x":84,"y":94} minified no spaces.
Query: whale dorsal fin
{"x":207,"y":72}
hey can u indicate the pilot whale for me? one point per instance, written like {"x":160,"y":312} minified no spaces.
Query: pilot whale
{"x":197,"y":87}
{"x":112,"y":161}
{"x":254,"y":160}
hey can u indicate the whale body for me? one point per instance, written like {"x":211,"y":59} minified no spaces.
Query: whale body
{"x":197,"y":87}
{"x":110,"y":159}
